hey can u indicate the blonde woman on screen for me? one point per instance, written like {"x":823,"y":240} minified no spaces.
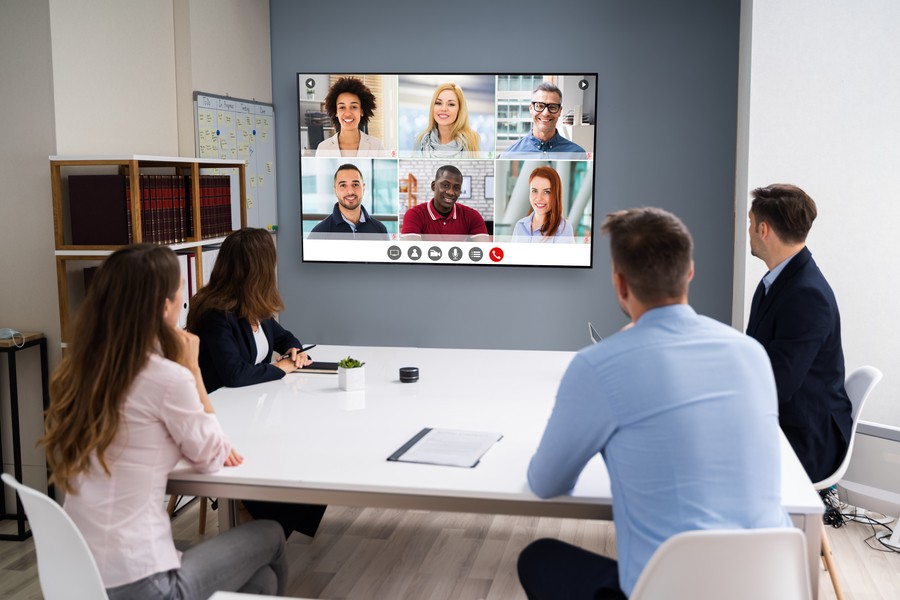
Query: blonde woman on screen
{"x":448,"y":134}
{"x":127,"y":404}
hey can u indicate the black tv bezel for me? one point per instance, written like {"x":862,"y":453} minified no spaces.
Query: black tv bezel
{"x":304,"y":259}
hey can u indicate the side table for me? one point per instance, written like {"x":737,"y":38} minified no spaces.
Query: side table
{"x":10,"y":348}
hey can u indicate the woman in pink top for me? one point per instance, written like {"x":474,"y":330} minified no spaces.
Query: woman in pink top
{"x":127,"y":403}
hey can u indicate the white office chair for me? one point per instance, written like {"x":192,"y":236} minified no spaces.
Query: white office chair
{"x":738,"y":564}
{"x":859,"y":384}
{"x":66,"y":567}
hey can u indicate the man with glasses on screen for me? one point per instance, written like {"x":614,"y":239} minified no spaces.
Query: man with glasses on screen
{"x":349,"y":216}
{"x":545,"y":108}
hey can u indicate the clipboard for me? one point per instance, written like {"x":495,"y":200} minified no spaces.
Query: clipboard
{"x":446,"y":447}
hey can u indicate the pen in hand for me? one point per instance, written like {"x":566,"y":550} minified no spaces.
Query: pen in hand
{"x":288,"y":355}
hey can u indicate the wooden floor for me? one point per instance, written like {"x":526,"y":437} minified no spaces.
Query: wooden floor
{"x":388,"y":554}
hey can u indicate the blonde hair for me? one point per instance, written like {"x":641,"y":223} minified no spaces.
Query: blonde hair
{"x":119,"y":324}
{"x":467,"y":137}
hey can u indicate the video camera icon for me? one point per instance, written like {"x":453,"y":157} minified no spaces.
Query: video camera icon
{"x":434,"y":253}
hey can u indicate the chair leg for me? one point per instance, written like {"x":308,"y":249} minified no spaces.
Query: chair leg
{"x":173,"y":501}
{"x":201,"y":529}
{"x":830,"y":566}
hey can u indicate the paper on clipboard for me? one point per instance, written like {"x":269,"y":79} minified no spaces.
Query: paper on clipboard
{"x":450,"y":447}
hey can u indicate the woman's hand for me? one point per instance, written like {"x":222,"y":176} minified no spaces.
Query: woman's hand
{"x":292,"y":360}
{"x":234,"y":459}
{"x":190,"y":349}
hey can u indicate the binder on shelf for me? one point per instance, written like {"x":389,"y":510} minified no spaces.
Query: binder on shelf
{"x":97,"y":214}
{"x":184,"y":261}
{"x":209,"y":256}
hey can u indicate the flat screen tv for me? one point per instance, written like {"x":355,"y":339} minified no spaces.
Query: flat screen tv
{"x":477,"y":169}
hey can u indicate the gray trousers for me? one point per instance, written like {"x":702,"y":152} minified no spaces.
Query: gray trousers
{"x":249,"y":559}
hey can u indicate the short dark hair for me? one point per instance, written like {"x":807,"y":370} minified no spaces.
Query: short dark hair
{"x":347,"y":167}
{"x":350,"y":85}
{"x":787,"y":209}
{"x":546,"y":86}
{"x":447,"y":169}
{"x":651,"y":248}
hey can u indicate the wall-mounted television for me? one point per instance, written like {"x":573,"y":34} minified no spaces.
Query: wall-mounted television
{"x":479,"y":169}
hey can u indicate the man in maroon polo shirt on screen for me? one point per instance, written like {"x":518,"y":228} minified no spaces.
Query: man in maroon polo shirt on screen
{"x":442,"y":215}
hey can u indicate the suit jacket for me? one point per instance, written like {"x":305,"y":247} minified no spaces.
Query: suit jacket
{"x":799,"y":325}
{"x":228,"y":351}
{"x":368,"y":147}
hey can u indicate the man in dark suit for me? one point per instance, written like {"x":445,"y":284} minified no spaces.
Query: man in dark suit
{"x":795,"y":317}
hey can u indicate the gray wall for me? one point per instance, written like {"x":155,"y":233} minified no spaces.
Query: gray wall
{"x":666,"y":137}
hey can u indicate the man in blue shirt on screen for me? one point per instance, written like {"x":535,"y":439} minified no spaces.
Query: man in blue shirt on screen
{"x":349,"y":216}
{"x":682,"y":408}
{"x":544,"y":139}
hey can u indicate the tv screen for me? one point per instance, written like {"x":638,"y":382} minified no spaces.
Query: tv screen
{"x":479,"y":169}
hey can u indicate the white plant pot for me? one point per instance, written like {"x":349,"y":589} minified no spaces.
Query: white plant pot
{"x":352,"y":379}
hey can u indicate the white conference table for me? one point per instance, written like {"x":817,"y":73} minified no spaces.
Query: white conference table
{"x":304,"y":440}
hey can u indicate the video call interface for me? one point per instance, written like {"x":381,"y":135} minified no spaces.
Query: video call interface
{"x":466,"y":169}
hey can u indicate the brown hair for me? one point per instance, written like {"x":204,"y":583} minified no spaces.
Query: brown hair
{"x":242,"y":280}
{"x":787,"y":209}
{"x":551,"y":225}
{"x":118,"y":325}
{"x":651,"y":248}
{"x":350,"y":85}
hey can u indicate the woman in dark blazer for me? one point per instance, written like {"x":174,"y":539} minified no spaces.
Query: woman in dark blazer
{"x":234,"y":317}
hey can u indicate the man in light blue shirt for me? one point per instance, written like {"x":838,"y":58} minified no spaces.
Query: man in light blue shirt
{"x":683,"y":409}
{"x":543,"y":139}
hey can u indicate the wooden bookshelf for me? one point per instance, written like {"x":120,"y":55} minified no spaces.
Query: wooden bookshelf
{"x":67,"y":252}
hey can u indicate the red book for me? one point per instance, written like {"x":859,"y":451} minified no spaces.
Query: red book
{"x":128,"y":207}
{"x":146,"y":212}
{"x":188,"y":192}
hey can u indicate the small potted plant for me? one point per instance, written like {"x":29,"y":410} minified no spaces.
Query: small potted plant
{"x":351,"y":374}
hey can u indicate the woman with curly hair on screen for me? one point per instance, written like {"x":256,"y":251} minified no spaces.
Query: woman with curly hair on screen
{"x":448,"y":134}
{"x":350,"y":105}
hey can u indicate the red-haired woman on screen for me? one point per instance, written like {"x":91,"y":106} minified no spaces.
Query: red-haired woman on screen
{"x":545,"y":222}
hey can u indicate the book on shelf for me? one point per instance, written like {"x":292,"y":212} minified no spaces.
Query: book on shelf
{"x":100,"y":208}
{"x":98,"y":216}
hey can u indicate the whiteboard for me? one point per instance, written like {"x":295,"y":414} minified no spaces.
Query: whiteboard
{"x":235,"y":129}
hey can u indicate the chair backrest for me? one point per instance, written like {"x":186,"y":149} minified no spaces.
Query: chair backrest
{"x":66,"y":566}
{"x":859,"y":384}
{"x":738,"y":564}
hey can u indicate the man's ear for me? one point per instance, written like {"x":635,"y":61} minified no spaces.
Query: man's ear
{"x":691,"y":272}
{"x":621,"y":286}
{"x":432,"y":186}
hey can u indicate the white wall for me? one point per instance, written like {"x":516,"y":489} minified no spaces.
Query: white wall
{"x":822,"y":111}
{"x":28,"y":283}
{"x":96,"y":77}
{"x":114,"y":76}
{"x":222,"y":47}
